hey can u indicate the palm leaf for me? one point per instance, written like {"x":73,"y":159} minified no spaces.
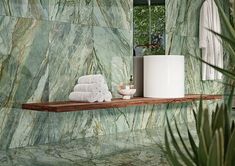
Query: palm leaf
{"x":184,"y":145}
{"x":215,"y":157}
{"x":225,"y":21}
{"x":193,"y":145}
{"x":185,"y":159}
{"x":229,"y":40}
{"x":229,"y":44}
{"x":230,"y":153}
{"x":227,"y":73}
{"x":172,"y":157}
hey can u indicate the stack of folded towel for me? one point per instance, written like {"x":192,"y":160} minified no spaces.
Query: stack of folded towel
{"x":91,"y":88}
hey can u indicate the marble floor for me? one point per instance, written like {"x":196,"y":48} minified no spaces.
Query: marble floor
{"x":137,"y":148}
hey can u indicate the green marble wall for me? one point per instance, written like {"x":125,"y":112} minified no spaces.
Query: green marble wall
{"x":46,"y":45}
{"x":182,"y":20}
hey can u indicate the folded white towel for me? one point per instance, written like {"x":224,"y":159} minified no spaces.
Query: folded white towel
{"x":95,"y":87}
{"x":82,"y":96}
{"x":90,"y":96}
{"x":108,"y":96}
{"x":89,"y":79}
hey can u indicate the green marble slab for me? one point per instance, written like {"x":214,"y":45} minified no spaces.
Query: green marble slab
{"x":128,"y":148}
{"x":21,"y":128}
{"x":73,"y":11}
{"x":182,"y":17}
{"x":24,"y":60}
{"x":182,"y":29}
{"x":112,"y":49}
{"x":70,"y":47}
{"x":113,"y":14}
{"x":37,"y":9}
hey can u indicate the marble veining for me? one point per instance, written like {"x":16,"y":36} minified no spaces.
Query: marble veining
{"x":182,"y":19}
{"x":46,"y":45}
{"x":142,"y":147}
{"x":25,"y":42}
{"x":105,"y":13}
{"x":73,"y":11}
{"x":115,"y":14}
{"x":70,"y":45}
{"x":37,"y":9}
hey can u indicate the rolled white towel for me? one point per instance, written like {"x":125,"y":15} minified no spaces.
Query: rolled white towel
{"x":82,"y":96}
{"x":108,"y":96}
{"x":89,"y":79}
{"x":104,"y":96}
{"x":94,"y":87}
{"x":90,"y":96}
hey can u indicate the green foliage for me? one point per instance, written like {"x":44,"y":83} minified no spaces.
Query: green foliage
{"x":141,"y":26}
{"x":216,"y":140}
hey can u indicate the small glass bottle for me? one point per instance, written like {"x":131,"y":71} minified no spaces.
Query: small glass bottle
{"x":131,"y":83}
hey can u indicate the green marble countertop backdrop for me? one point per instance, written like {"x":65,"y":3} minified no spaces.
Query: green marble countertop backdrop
{"x":45,"y":46}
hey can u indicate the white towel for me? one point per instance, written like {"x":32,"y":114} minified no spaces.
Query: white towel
{"x":90,"y":96}
{"x":89,"y":79}
{"x":82,"y":96}
{"x":108,"y":96}
{"x":212,"y":50}
{"x":95,"y":87}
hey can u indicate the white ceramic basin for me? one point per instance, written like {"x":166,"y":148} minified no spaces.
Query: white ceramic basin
{"x":164,"y":76}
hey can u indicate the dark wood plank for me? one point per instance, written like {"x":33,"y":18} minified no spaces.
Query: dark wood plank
{"x":69,"y":106}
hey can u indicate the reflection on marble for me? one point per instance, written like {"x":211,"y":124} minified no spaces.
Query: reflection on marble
{"x":74,"y":125}
{"x":23,"y":128}
{"x":141,"y":147}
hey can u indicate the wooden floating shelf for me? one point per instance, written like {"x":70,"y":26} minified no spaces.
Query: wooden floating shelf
{"x":69,"y":106}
